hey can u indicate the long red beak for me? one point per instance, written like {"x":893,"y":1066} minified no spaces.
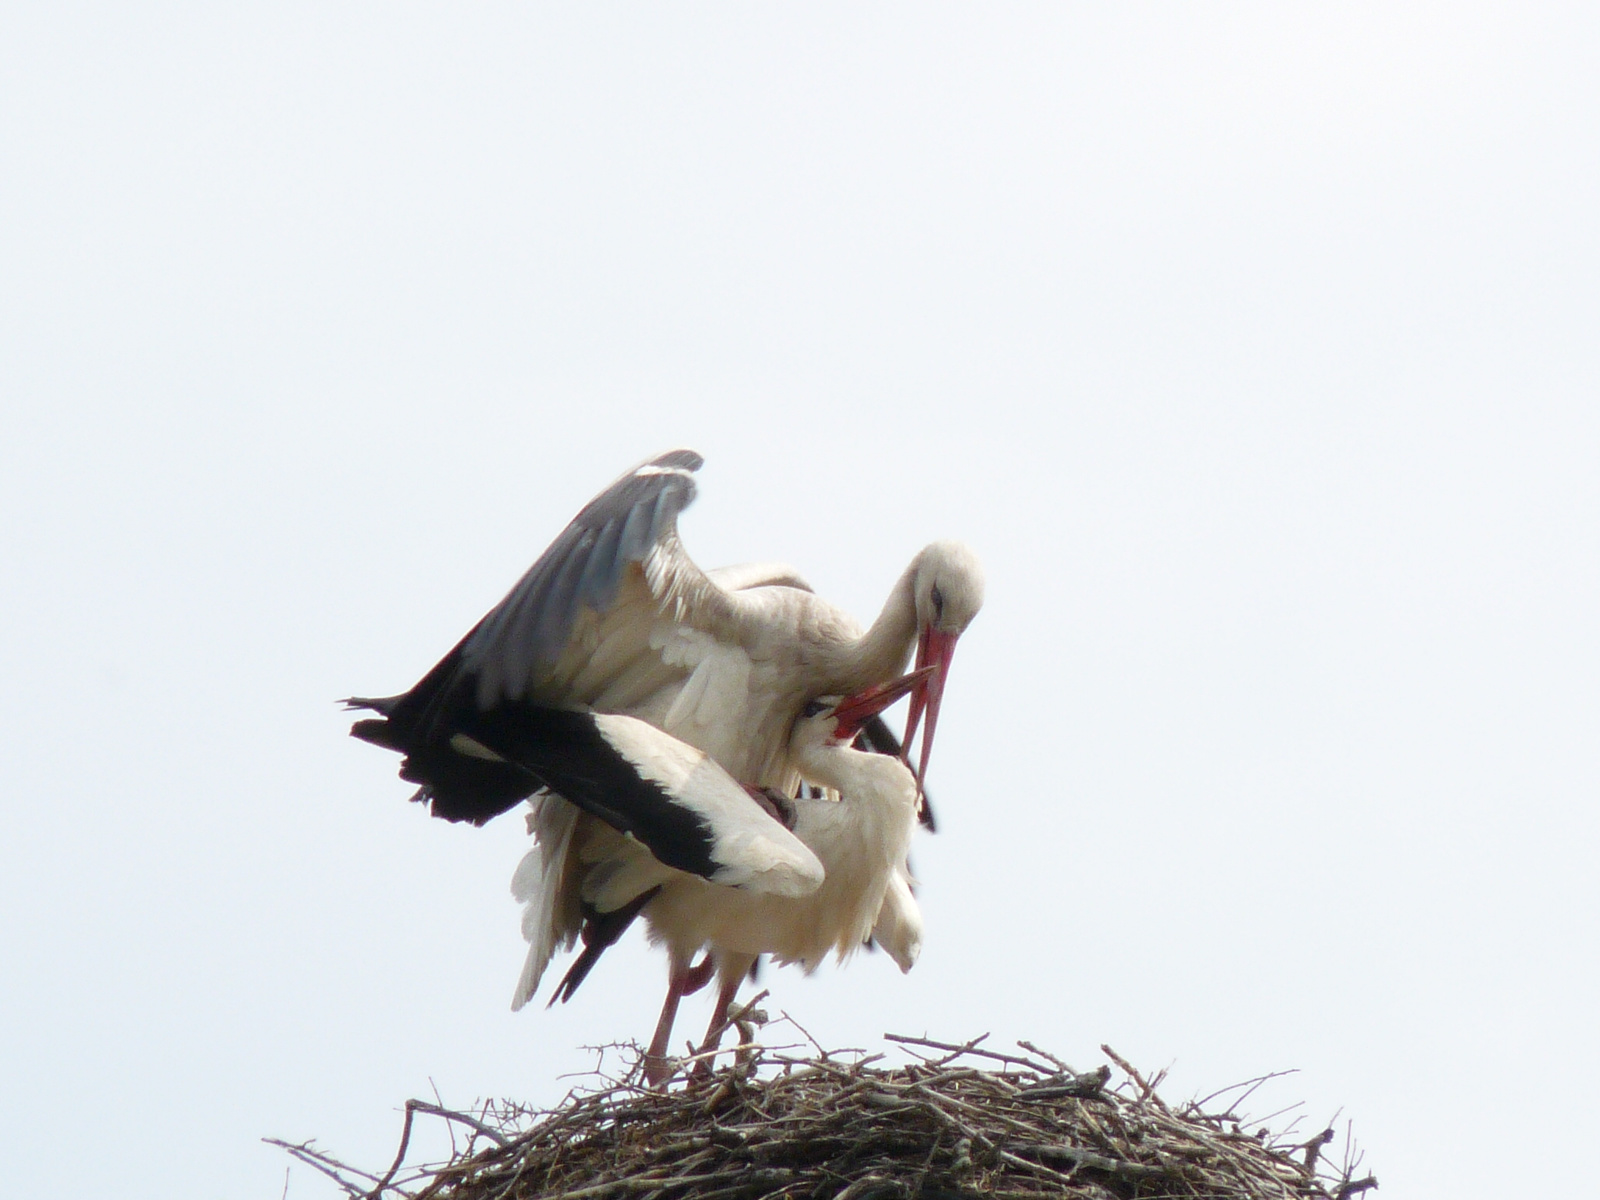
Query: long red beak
{"x":852,"y":712}
{"x":934,"y":652}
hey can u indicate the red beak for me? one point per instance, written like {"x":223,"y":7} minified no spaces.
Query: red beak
{"x":934,"y":652}
{"x":853,"y":711}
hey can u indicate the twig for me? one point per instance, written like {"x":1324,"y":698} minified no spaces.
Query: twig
{"x":400,"y":1154}
{"x":436,"y":1110}
{"x":1090,"y":1083}
{"x":971,"y":1047}
{"x":1095,"y":1162}
{"x":1147,"y":1089}
{"x":330,"y":1167}
{"x":1249,"y":1084}
{"x":1032,"y":1049}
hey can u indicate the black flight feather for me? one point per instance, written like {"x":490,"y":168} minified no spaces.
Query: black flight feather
{"x":490,"y":673}
{"x":600,"y":933}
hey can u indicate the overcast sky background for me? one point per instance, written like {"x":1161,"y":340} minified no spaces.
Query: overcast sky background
{"x":1254,"y":348}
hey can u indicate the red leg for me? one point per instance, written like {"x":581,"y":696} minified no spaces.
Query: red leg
{"x":657,"y":1066}
{"x":732,"y":974}
{"x":719,"y":1015}
{"x":697,"y":977}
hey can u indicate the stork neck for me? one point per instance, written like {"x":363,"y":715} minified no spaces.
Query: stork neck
{"x":884,"y":650}
{"x":860,"y":777}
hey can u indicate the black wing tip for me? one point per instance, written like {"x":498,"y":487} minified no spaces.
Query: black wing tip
{"x":476,"y":819}
{"x":600,"y":933}
{"x":377,"y":704}
{"x":473,"y":806}
{"x":576,"y":974}
{"x":377,"y":731}
{"x":569,"y":751}
{"x":454,"y":811}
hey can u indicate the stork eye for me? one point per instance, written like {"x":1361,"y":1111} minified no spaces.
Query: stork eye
{"x":938,"y":603}
{"x":813,"y":708}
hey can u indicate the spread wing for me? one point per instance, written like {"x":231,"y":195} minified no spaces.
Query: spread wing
{"x":581,"y":629}
{"x":627,"y":535}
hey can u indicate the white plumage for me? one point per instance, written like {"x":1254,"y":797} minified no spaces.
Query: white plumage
{"x":634,"y":696}
{"x":582,"y":868}
{"x":615,"y":617}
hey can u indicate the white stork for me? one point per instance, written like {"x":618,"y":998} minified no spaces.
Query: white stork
{"x":794,"y":878}
{"x":616,"y":618}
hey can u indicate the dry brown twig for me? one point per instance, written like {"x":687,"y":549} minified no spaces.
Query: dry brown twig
{"x":944,"y":1127}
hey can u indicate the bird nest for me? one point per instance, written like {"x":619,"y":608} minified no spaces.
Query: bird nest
{"x":961,"y":1121}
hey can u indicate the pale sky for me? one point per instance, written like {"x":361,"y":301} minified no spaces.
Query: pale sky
{"x":1253,"y":348}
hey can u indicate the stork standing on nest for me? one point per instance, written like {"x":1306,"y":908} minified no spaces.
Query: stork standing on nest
{"x":795,"y":878}
{"x":616,"y":618}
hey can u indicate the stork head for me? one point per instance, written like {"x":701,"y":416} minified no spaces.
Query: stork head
{"x":947,"y":584}
{"x":836,"y":720}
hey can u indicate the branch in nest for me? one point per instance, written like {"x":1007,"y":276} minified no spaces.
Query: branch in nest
{"x":1356,"y":1187}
